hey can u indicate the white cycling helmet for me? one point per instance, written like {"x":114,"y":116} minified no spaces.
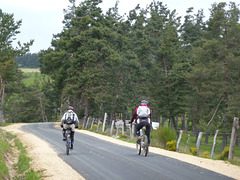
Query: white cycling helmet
{"x":144,"y":102}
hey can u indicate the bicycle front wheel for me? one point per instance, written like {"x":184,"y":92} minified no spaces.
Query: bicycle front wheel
{"x":145,"y":145}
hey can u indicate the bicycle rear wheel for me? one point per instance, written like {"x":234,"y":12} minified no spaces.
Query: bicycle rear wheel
{"x":68,"y":145}
{"x":145,"y":145}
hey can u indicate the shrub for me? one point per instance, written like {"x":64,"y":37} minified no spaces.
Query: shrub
{"x":224,"y":154}
{"x":171,"y":145}
{"x":123,"y":136}
{"x":193,"y":151}
{"x":206,"y":154}
{"x":94,"y":126}
{"x":164,"y":134}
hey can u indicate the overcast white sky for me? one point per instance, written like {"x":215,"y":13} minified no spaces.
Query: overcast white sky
{"x":43,"y":18}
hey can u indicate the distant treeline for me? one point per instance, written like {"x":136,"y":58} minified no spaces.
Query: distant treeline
{"x":28,"y":60}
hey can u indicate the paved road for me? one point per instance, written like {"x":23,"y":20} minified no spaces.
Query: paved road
{"x":98,"y":159}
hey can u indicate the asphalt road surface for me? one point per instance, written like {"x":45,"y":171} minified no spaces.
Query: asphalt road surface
{"x":98,"y":159}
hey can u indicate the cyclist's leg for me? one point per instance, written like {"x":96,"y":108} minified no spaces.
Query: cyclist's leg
{"x":148,"y":128}
{"x":138,"y":127}
{"x":72,"y":135}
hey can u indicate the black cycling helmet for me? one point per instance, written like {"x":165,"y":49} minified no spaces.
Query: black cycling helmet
{"x":144,"y":102}
{"x":70,"y":108}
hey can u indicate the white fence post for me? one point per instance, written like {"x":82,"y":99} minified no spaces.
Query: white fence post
{"x":198,"y":142}
{"x":92,"y":122}
{"x":214,"y":144}
{"x":98,"y":124}
{"x":104,"y":122}
{"x":87,"y":123}
{"x":112,"y":128}
{"x":179,"y":140}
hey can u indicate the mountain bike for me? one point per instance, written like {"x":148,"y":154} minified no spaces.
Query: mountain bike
{"x":68,"y":139}
{"x":142,"y":142}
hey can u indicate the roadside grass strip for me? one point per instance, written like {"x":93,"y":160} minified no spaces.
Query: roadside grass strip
{"x":22,"y":166}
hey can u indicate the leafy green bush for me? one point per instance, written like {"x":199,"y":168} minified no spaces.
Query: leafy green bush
{"x":206,"y":154}
{"x":94,"y":126}
{"x":224,"y":154}
{"x":164,"y":134}
{"x":122,"y":136}
{"x":171,"y":145}
{"x":80,"y":126}
{"x":193,"y":151}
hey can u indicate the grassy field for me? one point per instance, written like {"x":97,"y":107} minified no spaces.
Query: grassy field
{"x":30,"y":70}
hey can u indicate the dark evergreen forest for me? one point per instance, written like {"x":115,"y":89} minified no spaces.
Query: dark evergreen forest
{"x":103,"y":62}
{"x":28,"y":60}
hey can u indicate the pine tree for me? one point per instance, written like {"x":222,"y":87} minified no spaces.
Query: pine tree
{"x":8,"y":67}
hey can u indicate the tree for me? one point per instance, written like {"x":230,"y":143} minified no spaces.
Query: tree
{"x":214,"y":75}
{"x":28,"y":60}
{"x":162,"y":29}
{"x":8,"y":67}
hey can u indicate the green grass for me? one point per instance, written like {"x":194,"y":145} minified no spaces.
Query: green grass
{"x":31,"y":77}
{"x":23,"y":164}
{"x":4,"y":146}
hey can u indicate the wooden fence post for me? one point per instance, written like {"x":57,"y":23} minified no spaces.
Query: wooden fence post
{"x":198,"y":142}
{"x":233,"y":137}
{"x":214,"y":144}
{"x":179,"y":140}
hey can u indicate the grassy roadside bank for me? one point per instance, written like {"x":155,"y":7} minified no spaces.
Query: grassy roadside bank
{"x":14,"y":162}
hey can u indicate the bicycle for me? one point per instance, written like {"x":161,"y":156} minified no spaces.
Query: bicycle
{"x":68,"y":139}
{"x":142,"y":143}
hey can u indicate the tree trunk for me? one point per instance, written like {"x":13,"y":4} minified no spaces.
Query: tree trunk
{"x":165,"y":67}
{"x":183,"y":123}
{"x":44,"y":118}
{"x":175,"y":125}
{"x":86,"y":111}
{"x":224,"y":142}
{"x":2,"y":95}
{"x":159,"y":120}
{"x":116,"y":94}
{"x":187,"y":126}
{"x":224,"y":138}
{"x":206,"y":137}
{"x":163,"y":121}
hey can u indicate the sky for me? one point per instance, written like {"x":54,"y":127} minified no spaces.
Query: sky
{"x":41,"y":19}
